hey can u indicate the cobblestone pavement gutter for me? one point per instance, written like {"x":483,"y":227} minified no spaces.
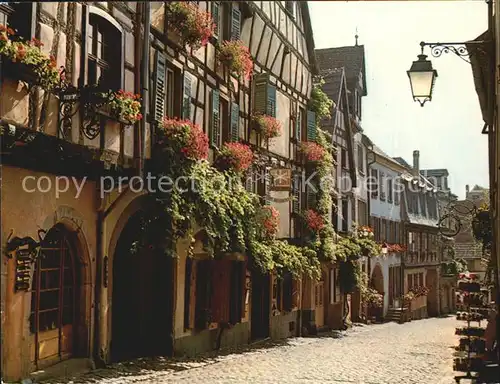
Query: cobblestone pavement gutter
{"x":416,"y":352}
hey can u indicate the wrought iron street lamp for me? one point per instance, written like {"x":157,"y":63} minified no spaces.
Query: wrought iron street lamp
{"x":421,"y":74}
{"x":422,"y":77}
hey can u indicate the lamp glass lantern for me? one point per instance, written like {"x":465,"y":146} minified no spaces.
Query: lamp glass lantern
{"x":422,"y":77}
{"x":384,"y":249}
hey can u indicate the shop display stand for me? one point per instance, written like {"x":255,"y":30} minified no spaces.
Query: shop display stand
{"x":468,"y":357}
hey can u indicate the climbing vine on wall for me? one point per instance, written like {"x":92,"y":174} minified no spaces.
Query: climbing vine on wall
{"x":191,"y":193}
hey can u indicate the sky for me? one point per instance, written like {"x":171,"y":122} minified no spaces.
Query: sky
{"x":447,"y":130}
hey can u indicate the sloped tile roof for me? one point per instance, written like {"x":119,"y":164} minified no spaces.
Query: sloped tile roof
{"x":469,"y":250}
{"x":352,"y":58}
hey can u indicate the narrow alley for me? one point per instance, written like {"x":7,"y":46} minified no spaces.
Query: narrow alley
{"x":415,"y":352}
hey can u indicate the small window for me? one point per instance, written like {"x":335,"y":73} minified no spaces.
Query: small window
{"x":389,"y":190}
{"x":104,"y":53}
{"x":381,"y":186}
{"x":21,"y":19}
{"x":343,"y":158}
{"x":374,"y":183}
{"x":360,"y":160}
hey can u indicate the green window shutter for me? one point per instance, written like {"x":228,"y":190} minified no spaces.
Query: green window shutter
{"x":271,"y":100}
{"x":235,"y":23}
{"x":159,"y":96}
{"x":235,"y":122}
{"x":216,"y":17}
{"x":311,"y":126}
{"x":186,"y":97}
{"x":296,"y":195}
{"x":215,"y":122}
{"x":298,"y":126}
{"x":260,"y":94}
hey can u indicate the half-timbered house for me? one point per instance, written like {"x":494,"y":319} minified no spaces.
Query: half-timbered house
{"x":421,"y":261}
{"x":87,"y":295}
{"x":279,"y":37}
{"x":343,"y":71}
{"x":56,"y":232}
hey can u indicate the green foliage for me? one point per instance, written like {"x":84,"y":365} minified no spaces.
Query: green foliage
{"x":320,"y":103}
{"x":279,"y":256}
{"x":453,"y":267}
{"x":217,"y":202}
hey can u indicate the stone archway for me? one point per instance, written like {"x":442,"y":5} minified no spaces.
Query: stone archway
{"x":377,"y":283}
{"x":142,"y":296}
{"x":377,"y":279}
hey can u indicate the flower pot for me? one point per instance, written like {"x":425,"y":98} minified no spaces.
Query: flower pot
{"x":19,"y":71}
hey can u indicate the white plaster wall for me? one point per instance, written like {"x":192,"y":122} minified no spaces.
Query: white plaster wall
{"x":390,"y":260}
{"x":381,"y":208}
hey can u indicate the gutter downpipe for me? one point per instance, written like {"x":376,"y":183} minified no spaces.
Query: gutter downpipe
{"x":145,"y":82}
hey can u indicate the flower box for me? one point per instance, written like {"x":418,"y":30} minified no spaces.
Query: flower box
{"x":236,"y":57}
{"x":25,"y":61}
{"x":107,"y":112}
{"x":269,"y":127}
{"x":19,"y":71}
{"x":237,"y":157}
{"x":192,"y":25}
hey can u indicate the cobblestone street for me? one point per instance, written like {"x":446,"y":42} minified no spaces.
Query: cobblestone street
{"x":415,"y":352}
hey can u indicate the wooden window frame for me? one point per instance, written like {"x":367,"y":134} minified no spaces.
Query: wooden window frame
{"x":110,"y":27}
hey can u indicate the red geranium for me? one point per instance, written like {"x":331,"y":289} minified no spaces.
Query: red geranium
{"x":194,"y":25}
{"x":270,"y":217}
{"x":313,"y":152}
{"x":268,"y":126}
{"x":237,"y":57}
{"x":185,"y":137}
{"x":236,"y":156}
{"x":314,"y":220}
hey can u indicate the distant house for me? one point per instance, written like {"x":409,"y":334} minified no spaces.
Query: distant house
{"x":421,"y":235}
{"x":385,"y":219}
{"x":343,"y":70}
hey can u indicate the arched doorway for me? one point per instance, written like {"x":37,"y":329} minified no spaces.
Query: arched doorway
{"x":142,"y":289}
{"x":57,"y":315}
{"x":377,"y":283}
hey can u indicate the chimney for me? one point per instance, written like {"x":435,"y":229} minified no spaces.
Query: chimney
{"x":416,"y":162}
{"x":466,"y":190}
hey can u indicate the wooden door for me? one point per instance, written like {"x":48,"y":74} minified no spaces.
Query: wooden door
{"x":319,"y":295}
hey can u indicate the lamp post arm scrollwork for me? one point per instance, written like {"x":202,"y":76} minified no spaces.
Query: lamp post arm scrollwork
{"x":459,"y":49}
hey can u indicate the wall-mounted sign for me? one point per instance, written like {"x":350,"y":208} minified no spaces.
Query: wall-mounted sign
{"x":23,"y":269}
{"x":281,"y":179}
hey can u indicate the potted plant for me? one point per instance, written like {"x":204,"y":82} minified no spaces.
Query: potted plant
{"x":125,"y":106}
{"x":269,"y":127}
{"x":237,"y":157}
{"x":26,"y":61}
{"x":194,"y":26}
{"x":314,"y":153}
{"x":182,"y":138}
{"x":314,"y":220}
{"x":236,"y":56}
